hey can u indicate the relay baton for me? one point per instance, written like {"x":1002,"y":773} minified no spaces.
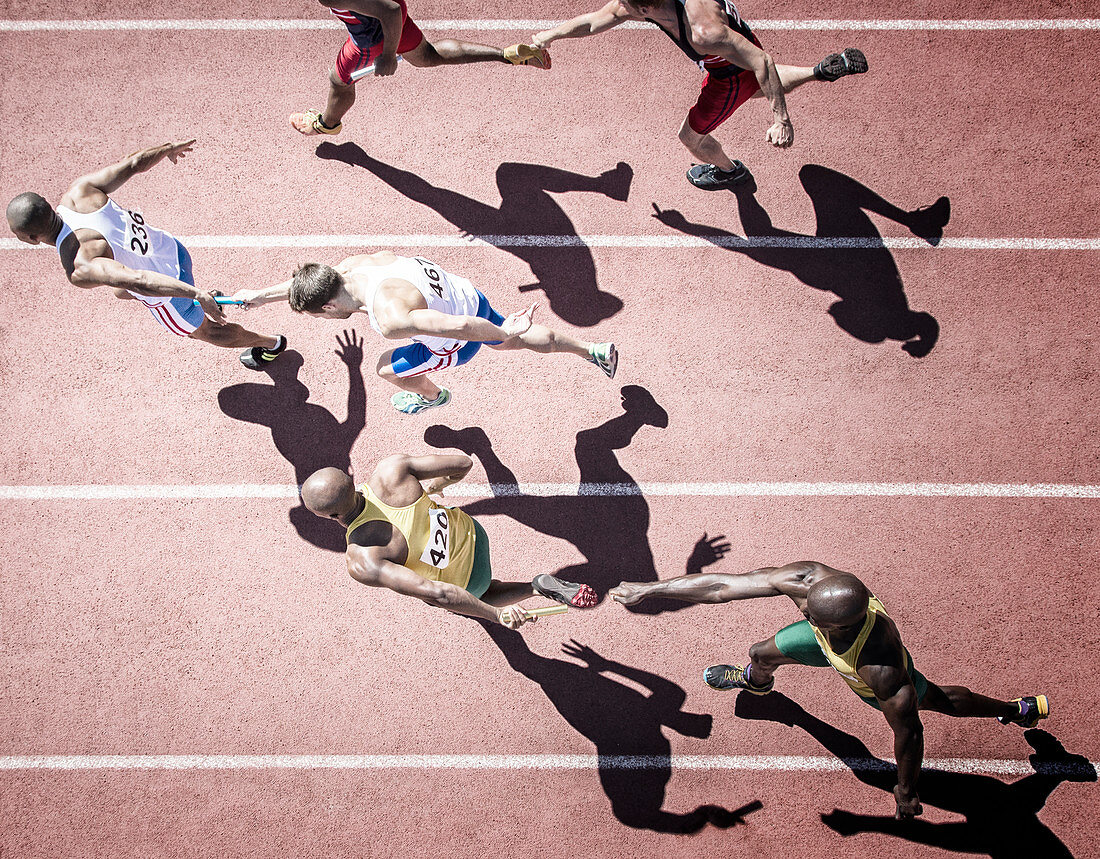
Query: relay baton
{"x":223,"y":300}
{"x":359,"y":74}
{"x":506,"y":614}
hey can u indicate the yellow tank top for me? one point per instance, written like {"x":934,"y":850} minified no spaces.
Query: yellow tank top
{"x":845,"y":663}
{"x":440,"y":539}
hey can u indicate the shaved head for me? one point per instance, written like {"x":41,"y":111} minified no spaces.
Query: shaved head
{"x":329,"y":492}
{"x":838,"y":601}
{"x":30,"y":213}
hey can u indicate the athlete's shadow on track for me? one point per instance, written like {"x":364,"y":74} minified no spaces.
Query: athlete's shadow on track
{"x":624,"y":725}
{"x":872,"y":306}
{"x":1001,"y":819}
{"x":608,"y":523}
{"x":308,"y":436}
{"x":566,"y":274}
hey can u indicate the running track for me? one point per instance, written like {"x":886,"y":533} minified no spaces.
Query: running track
{"x":207,"y":628}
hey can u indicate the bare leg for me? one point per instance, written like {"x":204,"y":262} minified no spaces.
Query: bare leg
{"x":451,"y":52}
{"x":421,"y":385}
{"x":705,"y":148}
{"x":507,"y":593}
{"x":539,"y":338}
{"x":960,"y":701}
{"x":231,"y":335}
{"x":765,"y":658}
{"x":791,"y":77}
{"x":341,"y":97}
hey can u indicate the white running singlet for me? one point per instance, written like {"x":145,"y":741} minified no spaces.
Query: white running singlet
{"x":133,"y":242}
{"x":445,"y":292}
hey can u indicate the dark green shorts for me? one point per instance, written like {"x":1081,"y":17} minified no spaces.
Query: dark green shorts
{"x":482,"y":573}
{"x":799,"y":643}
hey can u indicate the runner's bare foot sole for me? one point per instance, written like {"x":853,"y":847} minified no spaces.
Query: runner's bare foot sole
{"x":527,"y":55}
{"x":309,"y":123}
{"x":567,"y":593}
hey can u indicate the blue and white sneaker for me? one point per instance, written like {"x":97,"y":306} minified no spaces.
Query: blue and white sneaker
{"x":409,"y":403}
{"x":605,"y":356}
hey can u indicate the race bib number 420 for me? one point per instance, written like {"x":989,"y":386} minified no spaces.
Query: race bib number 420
{"x":438,"y":551}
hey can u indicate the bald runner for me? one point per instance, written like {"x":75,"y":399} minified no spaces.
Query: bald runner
{"x":846,"y":627}
{"x":400,"y":538}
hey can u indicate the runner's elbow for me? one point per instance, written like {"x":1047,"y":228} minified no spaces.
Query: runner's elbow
{"x":707,"y":37}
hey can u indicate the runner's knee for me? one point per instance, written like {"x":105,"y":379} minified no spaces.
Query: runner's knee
{"x":765,"y":653}
{"x":337,"y":84}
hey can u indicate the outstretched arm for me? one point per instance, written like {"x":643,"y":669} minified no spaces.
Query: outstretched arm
{"x":256,"y":297}
{"x":792,"y":580}
{"x":589,"y":24}
{"x":397,"y":322}
{"x":897,"y":697}
{"x":113,"y":176}
{"x":364,"y":567}
{"x":105,"y":271}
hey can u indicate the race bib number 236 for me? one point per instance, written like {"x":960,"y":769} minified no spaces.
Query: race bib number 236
{"x":437,"y":553}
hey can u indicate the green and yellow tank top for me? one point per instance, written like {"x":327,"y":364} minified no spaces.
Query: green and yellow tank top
{"x":441,"y":539}
{"x":845,"y":663}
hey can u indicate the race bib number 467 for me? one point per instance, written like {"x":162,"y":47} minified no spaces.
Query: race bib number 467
{"x":438,"y":551}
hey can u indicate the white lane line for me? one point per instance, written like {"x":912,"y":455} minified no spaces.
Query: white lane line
{"x":611,"y":241}
{"x":608,"y":490}
{"x":238,"y":24}
{"x":780,"y":763}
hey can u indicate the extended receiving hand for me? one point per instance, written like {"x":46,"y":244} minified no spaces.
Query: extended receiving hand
{"x":211,"y":308}
{"x":585,"y":654}
{"x":628,"y":593}
{"x":519,"y":322}
{"x":248,"y":296}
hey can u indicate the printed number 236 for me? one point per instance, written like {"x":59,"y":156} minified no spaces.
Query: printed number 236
{"x":139,"y":241}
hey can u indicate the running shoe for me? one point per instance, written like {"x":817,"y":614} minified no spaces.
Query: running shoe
{"x":527,"y":55}
{"x":1032,"y":709}
{"x":605,"y":356}
{"x":567,"y":593}
{"x":710,"y":178}
{"x":410,"y":404}
{"x":257,"y":358}
{"x":309,"y":123}
{"x":850,"y":61}
{"x":727,"y":677}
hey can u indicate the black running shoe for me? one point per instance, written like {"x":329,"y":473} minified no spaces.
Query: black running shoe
{"x":850,"y":61}
{"x":727,"y":677}
{"x":258,"y":357}
{"x":1032,"y":709}
{"x":567,"y":593}
{"x":710,"y":178}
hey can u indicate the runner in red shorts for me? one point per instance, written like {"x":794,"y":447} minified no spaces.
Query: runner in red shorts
{"x":713,"y":34}
{"x":380,"y":30}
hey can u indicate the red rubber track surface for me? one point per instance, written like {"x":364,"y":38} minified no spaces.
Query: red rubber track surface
{"x":210,"y":627}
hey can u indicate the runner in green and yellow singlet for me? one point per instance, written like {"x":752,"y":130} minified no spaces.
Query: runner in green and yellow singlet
{"x":846,"y":627}
{"x":402,"y":539}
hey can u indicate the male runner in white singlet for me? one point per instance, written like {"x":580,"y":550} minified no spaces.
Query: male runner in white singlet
{"x":103,"y":244}
{"x":445,"y":316}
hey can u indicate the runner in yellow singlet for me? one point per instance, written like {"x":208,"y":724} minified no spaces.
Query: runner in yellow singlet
{"x":400,"y":538}
{"x":846,"y":627}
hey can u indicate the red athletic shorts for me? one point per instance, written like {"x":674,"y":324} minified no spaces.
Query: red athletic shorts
{"x":720,"y":97}
{"x":351,"y":58}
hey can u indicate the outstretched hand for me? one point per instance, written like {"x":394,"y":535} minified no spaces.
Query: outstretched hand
{"x":520,"y":322}
{"x":178,"y":150}
{"x":585,"y":654}
{"x":211,"y":308}
{"x":628,"y":593}
{"x":350,"y":349}
{"x":707,"y":551}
